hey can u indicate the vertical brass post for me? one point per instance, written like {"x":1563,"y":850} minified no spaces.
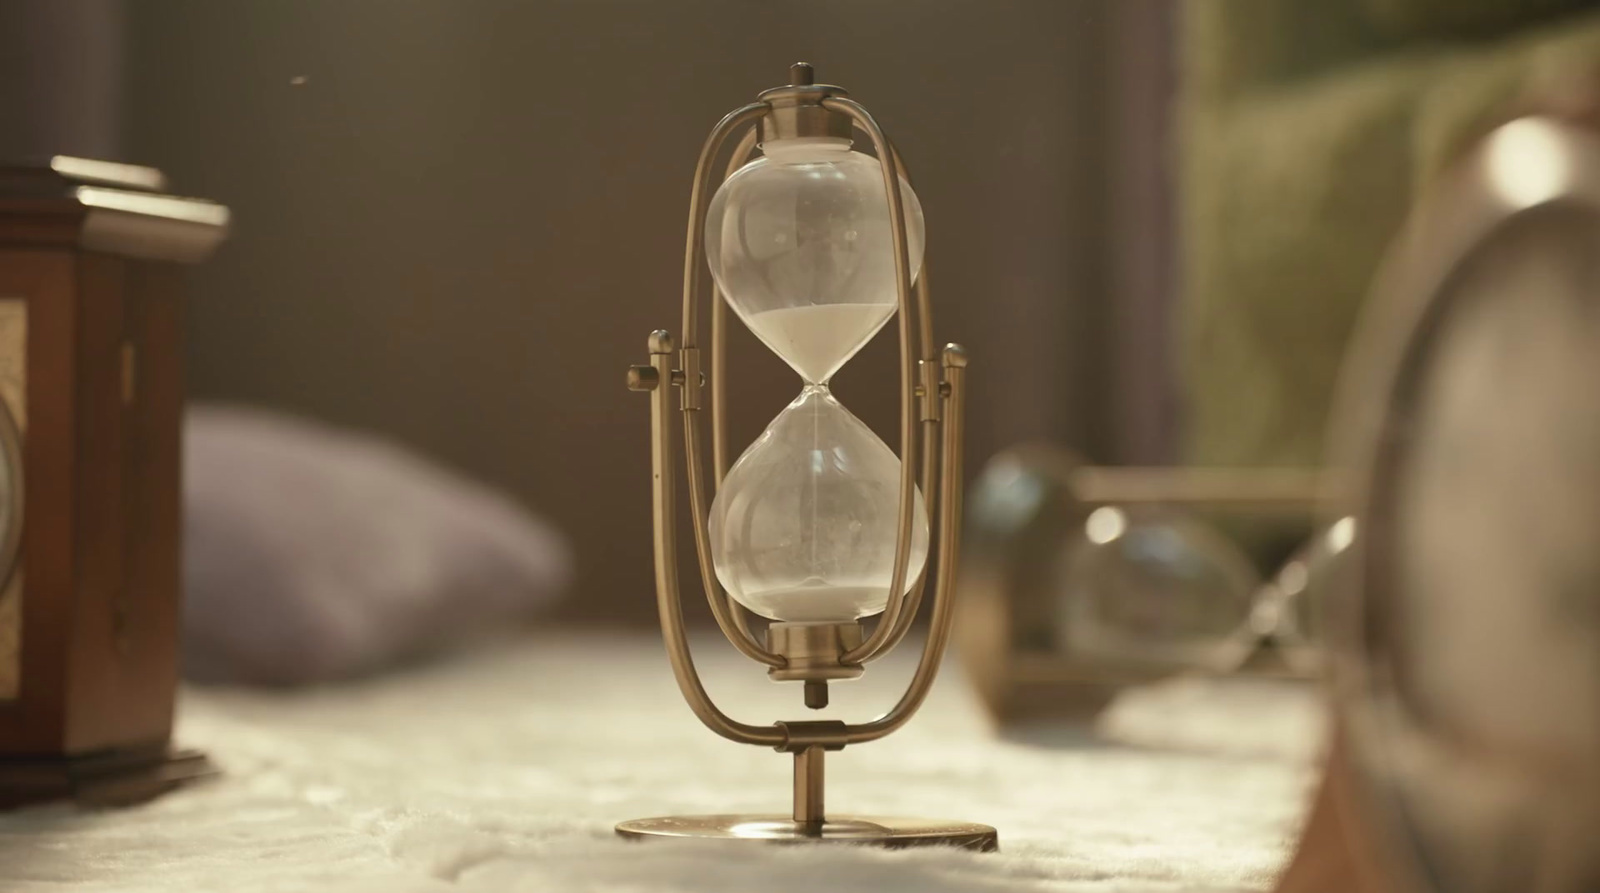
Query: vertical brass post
{"x":808,"y":779}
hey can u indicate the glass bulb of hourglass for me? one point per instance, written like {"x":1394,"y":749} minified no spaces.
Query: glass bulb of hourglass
{"x":800,"y":243}
{"x":1154,"y":588}
{"x":804,"y":526}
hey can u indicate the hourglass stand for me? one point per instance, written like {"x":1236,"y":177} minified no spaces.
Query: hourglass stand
{"x":817,"y":651}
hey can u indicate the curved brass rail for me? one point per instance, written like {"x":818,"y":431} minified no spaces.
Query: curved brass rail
{"x":719,"y":337}
{"x":930,"y":435}
{"x":719,"y":390}
{"x":955,"y":395}
{"x":669,"y":603}
{"x":732,"y":623}
{"x":699,"y":201}
{"x":930,"y":427}
{"x":888,"y":162}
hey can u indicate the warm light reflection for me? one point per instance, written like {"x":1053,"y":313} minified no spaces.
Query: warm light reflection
{"x":1294,"y":576}
{"x":1106,"y":524}
{"x":1341,"y":534}
{"x":1527,"y":163}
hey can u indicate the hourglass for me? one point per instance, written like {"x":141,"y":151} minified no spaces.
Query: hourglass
{"x":816,"y":247}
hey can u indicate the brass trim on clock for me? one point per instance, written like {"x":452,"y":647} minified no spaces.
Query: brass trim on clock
{"x":13,"y":421}
{"x":11,"y":535}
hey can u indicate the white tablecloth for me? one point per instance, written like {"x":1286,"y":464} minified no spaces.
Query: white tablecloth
{"x":505,"y":770}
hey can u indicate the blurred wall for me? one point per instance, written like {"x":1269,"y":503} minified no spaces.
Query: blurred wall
{"x":61,"y":65}
{"x":457,"y":221}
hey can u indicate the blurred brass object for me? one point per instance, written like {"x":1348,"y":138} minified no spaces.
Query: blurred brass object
{"x":1031,"y":504}
{"x":109,"y":173}
{"x":1267,"y":490}
{"x":810,"y":653}
{"x":1333,"y":855}
{"x":891,"y":833}
{"x":1465,"y":636}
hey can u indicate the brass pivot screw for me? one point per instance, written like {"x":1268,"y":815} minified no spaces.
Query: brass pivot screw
{"x":648,"y":378}
{"x":643,"y":378}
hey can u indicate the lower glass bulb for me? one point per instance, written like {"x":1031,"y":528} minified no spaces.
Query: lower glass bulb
{"x":803,"y":528}
{"x":1154,"y":588}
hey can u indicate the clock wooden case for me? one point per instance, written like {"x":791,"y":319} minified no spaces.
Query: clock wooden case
{"x":91,"y":400}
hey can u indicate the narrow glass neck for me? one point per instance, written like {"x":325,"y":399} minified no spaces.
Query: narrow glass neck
{"x":814,"y":389}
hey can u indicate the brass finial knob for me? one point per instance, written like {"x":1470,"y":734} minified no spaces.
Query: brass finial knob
{"x":801,"y":74}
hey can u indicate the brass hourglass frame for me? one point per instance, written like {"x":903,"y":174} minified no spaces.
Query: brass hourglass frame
{"x":932,"y":396}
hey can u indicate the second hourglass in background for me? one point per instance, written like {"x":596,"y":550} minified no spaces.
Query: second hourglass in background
{"x":1082,"y":580}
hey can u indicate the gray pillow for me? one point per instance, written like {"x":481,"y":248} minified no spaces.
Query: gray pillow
{"x":313,"y":554}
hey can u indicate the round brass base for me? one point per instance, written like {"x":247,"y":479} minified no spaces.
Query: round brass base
{"x":894,"y":833}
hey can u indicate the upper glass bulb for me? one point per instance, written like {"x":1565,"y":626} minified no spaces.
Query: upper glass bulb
{"x":801,"y":245}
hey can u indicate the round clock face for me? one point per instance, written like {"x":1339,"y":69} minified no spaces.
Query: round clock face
{"x":1481,"y":585}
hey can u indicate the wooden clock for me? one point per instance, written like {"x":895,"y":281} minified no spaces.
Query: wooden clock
{"x":91,"y":401}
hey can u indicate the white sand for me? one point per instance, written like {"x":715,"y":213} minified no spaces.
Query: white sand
{"x":817,"y":339}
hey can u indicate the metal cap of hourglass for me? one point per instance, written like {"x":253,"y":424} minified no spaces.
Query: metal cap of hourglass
{"x":932,"y":392}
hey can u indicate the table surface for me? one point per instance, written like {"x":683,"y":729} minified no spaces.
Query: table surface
{"x":505,"y":770}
